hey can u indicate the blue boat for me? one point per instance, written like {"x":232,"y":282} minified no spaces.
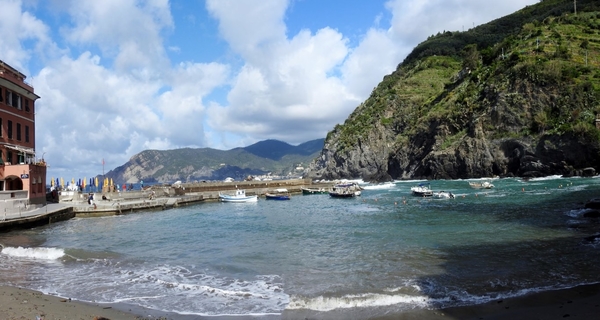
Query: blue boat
{"x":278,"y":194}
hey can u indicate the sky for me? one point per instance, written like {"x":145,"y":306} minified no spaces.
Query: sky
{"x":117,"y":77}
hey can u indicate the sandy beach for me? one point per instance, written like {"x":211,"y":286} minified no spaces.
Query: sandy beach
{"x":581,"y":302}
{"x":17,"y":303}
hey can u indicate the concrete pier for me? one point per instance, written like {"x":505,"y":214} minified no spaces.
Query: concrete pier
{"x":158,"y":197}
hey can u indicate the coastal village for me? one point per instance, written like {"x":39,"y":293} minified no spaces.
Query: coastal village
{"x":26,"y":202}
{"x":515,"y":234}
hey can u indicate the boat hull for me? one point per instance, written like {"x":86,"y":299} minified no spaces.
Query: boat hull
{"x":421,"y":191}
{"x":277,"y":197}
{"x":314,"y":191}
{"x":238,"y":199}
{"x":240,"y":196}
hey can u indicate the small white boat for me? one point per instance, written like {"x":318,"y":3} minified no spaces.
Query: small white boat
{"x":422,"y":190}
{"x":240,"y":196}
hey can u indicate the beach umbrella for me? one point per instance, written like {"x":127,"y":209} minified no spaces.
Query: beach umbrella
{"x":72,"y":181}
{"x":62,"y":182}
{"x":52,"y":182}
{"x":57,"y":183}
{"x":111,"y":182}
{"x":96,"y":181}
{"x":83,"y":184}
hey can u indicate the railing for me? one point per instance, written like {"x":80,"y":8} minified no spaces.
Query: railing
{"x":12,"y":207}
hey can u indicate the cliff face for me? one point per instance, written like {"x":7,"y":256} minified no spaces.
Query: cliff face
{"x":524,"y":106}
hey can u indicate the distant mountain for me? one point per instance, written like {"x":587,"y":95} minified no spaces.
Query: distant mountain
{"x":273,"y":149}
{"x":187,"y":164}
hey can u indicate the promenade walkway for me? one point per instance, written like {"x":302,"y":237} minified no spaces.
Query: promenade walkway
{"x":161,"y":198}
{"x":38,"y":211}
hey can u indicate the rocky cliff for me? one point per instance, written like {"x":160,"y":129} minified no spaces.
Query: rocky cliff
{"x":516,"y":97}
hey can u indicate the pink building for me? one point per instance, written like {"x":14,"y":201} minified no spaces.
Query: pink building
{"x":22,"y":176}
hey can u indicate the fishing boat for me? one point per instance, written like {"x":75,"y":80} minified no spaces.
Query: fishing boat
{"x":239,"y":196}
{"x":345,"y":190}
{"x":314,"y":191}
{"x":422,"y":190}
{"x":278,"y":194}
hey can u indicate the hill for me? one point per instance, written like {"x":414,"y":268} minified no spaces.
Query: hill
{"x":187,"y":164}
{"x":517,"y":96}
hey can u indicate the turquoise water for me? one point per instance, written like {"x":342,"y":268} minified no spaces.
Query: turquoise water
{"x":380,"y":253}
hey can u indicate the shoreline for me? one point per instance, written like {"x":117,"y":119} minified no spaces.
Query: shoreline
{"x":580,"y":302}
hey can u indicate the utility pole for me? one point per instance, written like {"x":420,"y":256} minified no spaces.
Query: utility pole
{"x":575,"y":6}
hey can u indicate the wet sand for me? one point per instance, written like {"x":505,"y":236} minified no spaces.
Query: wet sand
{"x":582,"y":302}
{"x":17,"y":303}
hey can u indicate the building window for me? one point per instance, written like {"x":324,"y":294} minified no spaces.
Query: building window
{"x":17,"y":101}
{"x":27,"y":105}
{"x":9,"y":98}
{"x":9,"y":157}
{"x":26,"y":132}
{"x":18,"y":132}
{"x":1,"y":95}
{"x":1,"y":159}
{"x":1,"y":128}
{"x":9,"y":129}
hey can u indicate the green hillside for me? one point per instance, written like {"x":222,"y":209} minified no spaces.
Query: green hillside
{"x":533,"y":75}
{"x":194,"y":164}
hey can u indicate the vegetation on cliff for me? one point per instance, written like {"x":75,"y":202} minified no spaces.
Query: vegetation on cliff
{"x":516,"y":96}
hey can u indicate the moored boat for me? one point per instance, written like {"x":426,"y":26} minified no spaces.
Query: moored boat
{"x":239,"y":196}
{"x":345,"y":190}
{"x":422,"y":190}
{"x":278,"y":194}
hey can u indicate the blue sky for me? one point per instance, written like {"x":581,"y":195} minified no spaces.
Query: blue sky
{"x":117,"y":77}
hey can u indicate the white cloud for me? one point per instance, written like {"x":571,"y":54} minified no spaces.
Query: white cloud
{"x":126,"y":30}
{"x":17,"y":26}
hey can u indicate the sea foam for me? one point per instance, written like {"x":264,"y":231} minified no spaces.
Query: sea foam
{"x":39,"y":253}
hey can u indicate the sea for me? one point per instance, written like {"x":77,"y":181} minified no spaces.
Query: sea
{"x":383,"y":253}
